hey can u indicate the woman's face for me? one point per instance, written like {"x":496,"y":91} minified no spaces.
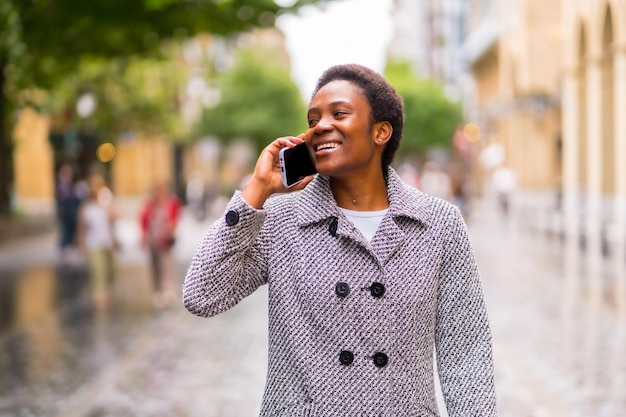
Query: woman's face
{"x":340,"y":135}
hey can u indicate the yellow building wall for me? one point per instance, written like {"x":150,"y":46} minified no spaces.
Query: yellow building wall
{"x":517,"y":86}
{"x":139,"y":163}
{"x":33,"y":164}
{"x":486,"y":75}
{"x":202,"y":163}
{"x":531,"y":145}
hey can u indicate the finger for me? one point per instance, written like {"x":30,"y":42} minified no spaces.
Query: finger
{"x":288,"y":141}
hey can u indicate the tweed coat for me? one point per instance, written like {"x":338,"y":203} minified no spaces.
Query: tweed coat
{"x":354,"y":326}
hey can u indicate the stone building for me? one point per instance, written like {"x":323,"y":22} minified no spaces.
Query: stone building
{"x":501,"y":59}
{"x":33,"y":165}
{"x":512,"y":49}
{"x":430,"y":35}
{"x":594,"y":126}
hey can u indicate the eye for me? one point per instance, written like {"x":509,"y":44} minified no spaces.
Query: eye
{"x":339,"y":113}
{"x":312,"y":122}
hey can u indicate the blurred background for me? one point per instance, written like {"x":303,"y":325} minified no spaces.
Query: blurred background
{"x":113,"y":111}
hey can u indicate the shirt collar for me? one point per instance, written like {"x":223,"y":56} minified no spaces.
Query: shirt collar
{"x":316,"y":202}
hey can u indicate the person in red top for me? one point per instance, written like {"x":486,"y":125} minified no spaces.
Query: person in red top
{"x":158,"y":219}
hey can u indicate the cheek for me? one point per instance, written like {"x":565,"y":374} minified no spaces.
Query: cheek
{"x":364,"y":148}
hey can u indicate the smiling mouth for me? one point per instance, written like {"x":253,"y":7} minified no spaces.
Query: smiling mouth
{"x":326,"y":146}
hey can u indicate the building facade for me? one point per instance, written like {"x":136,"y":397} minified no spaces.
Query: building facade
{"x":510,"y":50}
{"x":594,"y":126}
{"x":501,"y":59}
{"x":33,"y":161}
{"x":430,"y":35}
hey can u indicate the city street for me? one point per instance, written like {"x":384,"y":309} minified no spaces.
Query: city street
{"x":511,"y":110}
{"x":558,"y":318}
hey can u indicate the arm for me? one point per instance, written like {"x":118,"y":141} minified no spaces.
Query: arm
{"x":230,"y":263}
{"x":463,"y":336}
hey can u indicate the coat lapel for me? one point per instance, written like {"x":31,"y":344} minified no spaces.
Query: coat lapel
{"x":316,"y":203}
{"x":404,"y":202}
{"x":387,"y":239}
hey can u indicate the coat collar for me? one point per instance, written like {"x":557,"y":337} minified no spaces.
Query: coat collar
{"x":316,"y":202}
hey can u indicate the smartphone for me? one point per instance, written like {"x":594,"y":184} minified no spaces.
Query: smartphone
{"x":295,"y":164}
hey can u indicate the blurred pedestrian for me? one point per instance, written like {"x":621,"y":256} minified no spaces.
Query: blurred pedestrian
{"x":67,"y":205}
{"x":369,"y":278}
{"x":459,"y":188}
{"x":159,"y":219}
{"x":435,"y":181}
{"x":409,"y":175}
{"x":96,"y":217}
{"x":505,"y":183}
{"x":196,"y":196}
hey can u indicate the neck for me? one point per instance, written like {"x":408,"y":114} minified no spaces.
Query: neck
{"x":360,"y":194}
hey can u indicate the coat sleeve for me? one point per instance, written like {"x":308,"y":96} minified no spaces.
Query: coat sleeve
{"x":463,"y":336}
{"x":230,"y":262}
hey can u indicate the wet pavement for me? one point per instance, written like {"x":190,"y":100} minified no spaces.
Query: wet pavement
{"x":558,"y":318}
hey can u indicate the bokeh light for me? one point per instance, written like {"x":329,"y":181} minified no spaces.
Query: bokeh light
{"x":472,"y":132}
{"x":105,"y":152}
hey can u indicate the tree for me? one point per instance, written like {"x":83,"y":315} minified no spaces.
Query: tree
{"x":42,"y":41}
{"x":431,"y":118}
{"x":133,"y":94}
{"x":259,"y":101}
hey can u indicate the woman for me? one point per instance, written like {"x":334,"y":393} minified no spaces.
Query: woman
{"x":367,"y":276}
{"x":158,"y":220}
{"x":96,"y":238}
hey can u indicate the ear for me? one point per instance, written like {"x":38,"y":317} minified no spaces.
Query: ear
{"x":382,"y":132}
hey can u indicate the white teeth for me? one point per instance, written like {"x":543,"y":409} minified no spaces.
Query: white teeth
{"x":324,"y":146}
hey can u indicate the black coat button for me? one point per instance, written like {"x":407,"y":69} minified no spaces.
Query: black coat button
{"x":232,"y":218}
{"x":342,"y":289}
{"x":346,"y":357}
{"x":380,"y":359}
{"x":332,"y":227}
{"x":377,"y":289}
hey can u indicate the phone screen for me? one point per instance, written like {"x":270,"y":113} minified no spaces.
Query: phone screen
{"x":295,"y":164}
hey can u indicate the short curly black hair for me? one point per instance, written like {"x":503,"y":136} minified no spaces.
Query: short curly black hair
{"x":386,"y":103}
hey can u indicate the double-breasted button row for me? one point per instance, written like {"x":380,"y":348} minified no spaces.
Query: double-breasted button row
{"x":377,"y":289}
{"x":347,"y":358}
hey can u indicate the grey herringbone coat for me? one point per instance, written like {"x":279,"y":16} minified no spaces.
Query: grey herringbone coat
{"x":353,"y":326}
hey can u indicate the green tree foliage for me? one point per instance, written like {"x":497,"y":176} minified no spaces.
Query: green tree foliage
{"x":431,"y":118}
{"x":132,"y":95}
{"x":54,"y":33}
{"x":44,"y":41}
{"x":259,"y":101}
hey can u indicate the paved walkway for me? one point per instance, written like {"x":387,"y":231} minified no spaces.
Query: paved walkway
{"x":558,"y":317}
{"x":558,"y":326}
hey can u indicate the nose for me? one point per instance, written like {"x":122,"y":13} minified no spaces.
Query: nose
{"x":323,"y":125}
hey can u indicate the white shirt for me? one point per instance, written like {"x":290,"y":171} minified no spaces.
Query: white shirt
{"x":366,"y":221}
{"x":98,"y":228}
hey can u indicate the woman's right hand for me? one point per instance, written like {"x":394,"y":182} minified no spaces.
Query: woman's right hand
{"x":267,"y":178}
